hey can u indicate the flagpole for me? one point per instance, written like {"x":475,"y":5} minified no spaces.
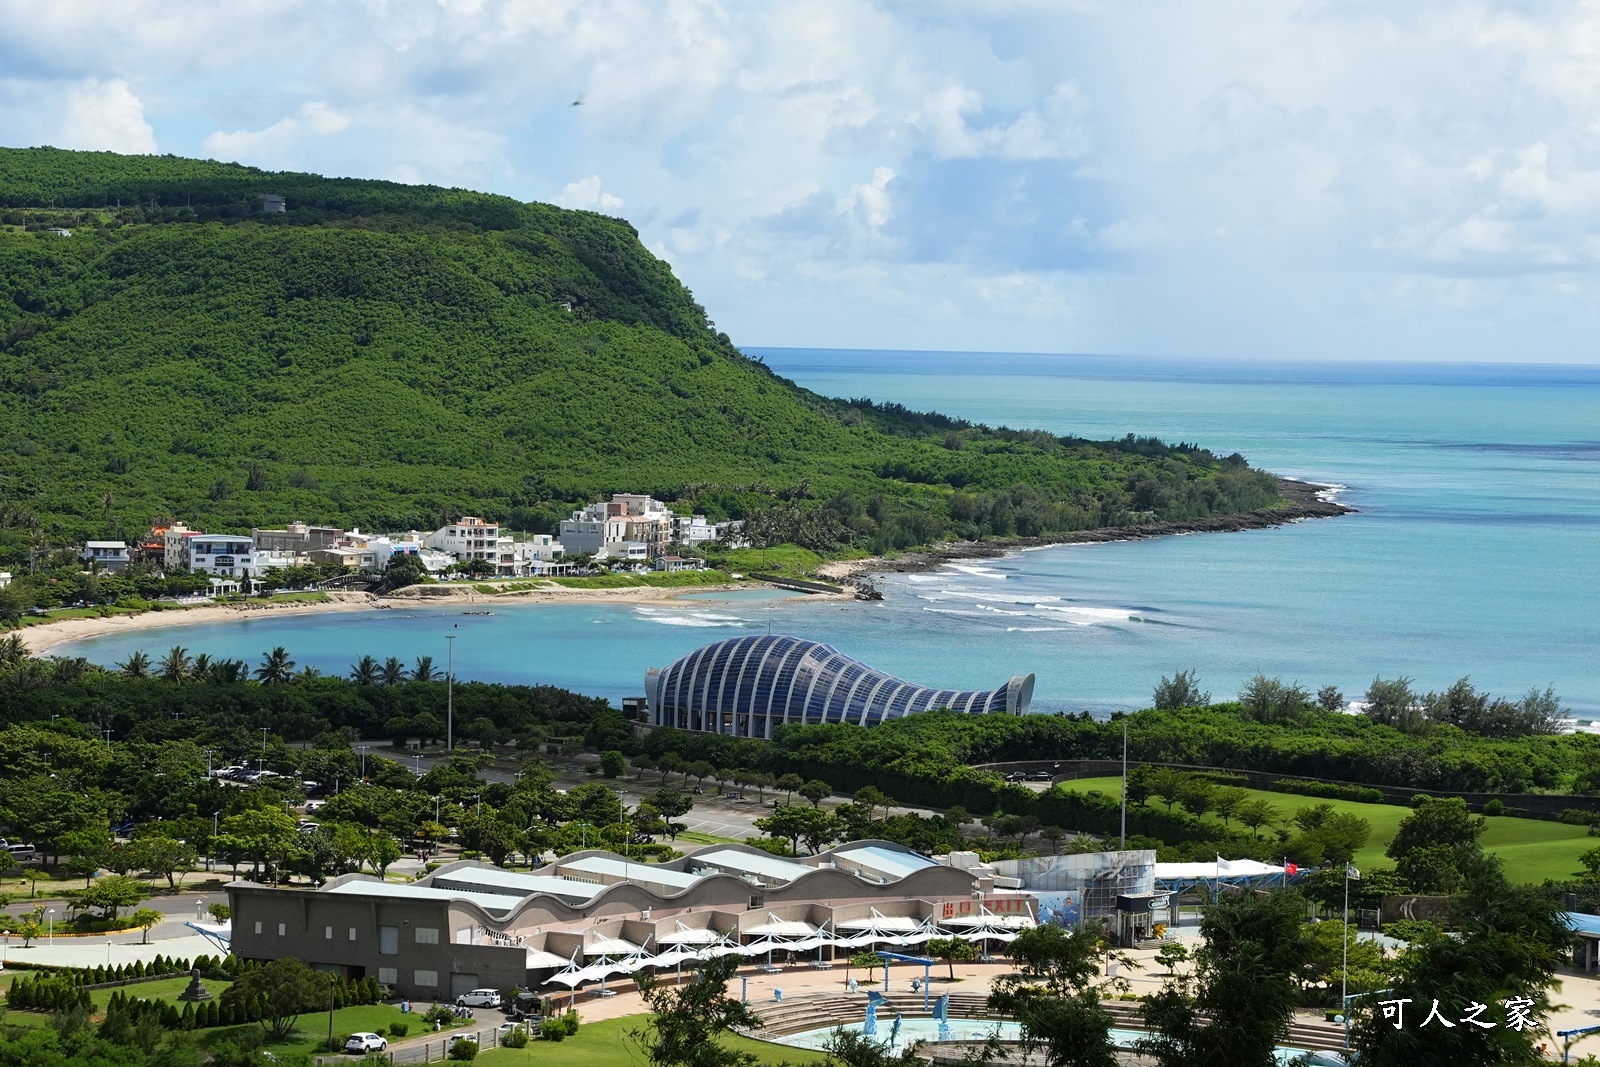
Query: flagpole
{"x":1344,"y":965}
{"x":1124,"y":784}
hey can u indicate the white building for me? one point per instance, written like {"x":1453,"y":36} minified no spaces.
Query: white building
{"x":543,"y":548}
{"x":112,"y":556}
{"x":602,"y":530}
{"x":5,"y":579}
{"x":470,"y":538}
{"x":175,"y":547}
{"x":691,"y":530}
{"x":233,"y":556}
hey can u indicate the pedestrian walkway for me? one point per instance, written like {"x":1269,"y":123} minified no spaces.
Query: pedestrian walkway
{"x":109,"y":950}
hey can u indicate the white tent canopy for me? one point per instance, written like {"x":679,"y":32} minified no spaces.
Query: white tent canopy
{"x":689,"y":935}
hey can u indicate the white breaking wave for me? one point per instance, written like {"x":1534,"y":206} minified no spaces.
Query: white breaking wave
{"x":1001,"y":598}
{"x":690,"y":618}
{"x":979,"y":572}
{"x":923,"y":578}
{"x":1036,"y":629}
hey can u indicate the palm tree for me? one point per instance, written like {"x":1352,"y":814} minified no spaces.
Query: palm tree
{"x":230,"y":671}
{"x":308,"y":673}
{"x":394,"y":671}
{"x":276,"y":667}
{"x":176,"y":666}
{"x":201,"y":667}
{"x":135,"y":666}
{"x":364,"y":671}
{"x":12,"y":651}
{"x":424,"y":671}
{"x":107,"y":502}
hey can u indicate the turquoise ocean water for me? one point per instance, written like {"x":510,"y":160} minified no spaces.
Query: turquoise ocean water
{"x":1476,"y":550}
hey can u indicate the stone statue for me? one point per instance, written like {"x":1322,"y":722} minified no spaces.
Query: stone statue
{"x":196,"y":991}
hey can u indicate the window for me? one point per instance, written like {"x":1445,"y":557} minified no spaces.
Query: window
{"x":258,"y":928}
{"x":388,"y":975}
{"x":388,"y":940}
{"x":327,"y":932}
{"x":283,"y":928}
{"x":426,"y":979}
{"x":352,"y":933}
{"x":427,"y":935}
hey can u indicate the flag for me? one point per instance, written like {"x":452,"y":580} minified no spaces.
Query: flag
{"x":1290,"y":868}
{"x":1351,"y":872}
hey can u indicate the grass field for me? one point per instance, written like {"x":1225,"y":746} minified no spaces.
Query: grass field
{"x":695,"y":838}
{"x":309,"y":1034}
{"x":607,"y":1044}
{"x":1532,"y":849}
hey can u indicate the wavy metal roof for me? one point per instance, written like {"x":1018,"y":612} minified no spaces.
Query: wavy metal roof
{"x":787,"y":679}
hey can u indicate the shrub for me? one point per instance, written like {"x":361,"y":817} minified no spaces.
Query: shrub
{"x":553,"y":1030}
{"x":570,"y":1022}
{"x":1495,"y":806}
{"x":516,"y":1039}
{"x":1329,"y":790}
{"x":440,"y":1014}
{"x":465,"y":1049}
{"x":1579,"y":817}
{"x":399,"y":1029}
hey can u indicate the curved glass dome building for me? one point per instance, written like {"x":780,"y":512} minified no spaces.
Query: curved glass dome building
{"x":747,"y":686}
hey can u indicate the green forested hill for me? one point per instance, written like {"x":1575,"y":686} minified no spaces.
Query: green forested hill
{"x":391,"y":355}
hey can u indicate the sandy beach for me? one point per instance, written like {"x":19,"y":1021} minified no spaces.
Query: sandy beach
{"x":46,"y":636}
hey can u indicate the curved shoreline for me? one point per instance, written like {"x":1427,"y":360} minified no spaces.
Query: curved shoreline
{"x":1306,"y":500}
{"x":42,"y":638}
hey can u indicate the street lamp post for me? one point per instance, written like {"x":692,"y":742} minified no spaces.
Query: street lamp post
{"x":477,"y":806}
{"x":50,"y":925}
{"x":263,"y":742}
{"x":108,"y":953}
{"x":450,"y":693}
{"x":212,"y":857}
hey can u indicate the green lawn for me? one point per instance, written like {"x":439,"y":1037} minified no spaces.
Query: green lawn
{"x":695,"y":838}
{"x":311,"y":1031}
{"x":160,"y":989}
{"x":1532,"y":849}
{"x":309,"y":1034}
{"x":606,"y":1044}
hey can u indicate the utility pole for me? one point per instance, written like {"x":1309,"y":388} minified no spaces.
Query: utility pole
{"x":263,"y":742}
{"x":450,"y":693}
{"x":1124,"y":784}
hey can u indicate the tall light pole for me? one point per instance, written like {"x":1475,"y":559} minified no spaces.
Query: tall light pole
{"x":50,"y":927}
{"x":450,"y":693}
{"x":212,"y":858}
{"x":1124,"y":784}
{"x":263,"y":742}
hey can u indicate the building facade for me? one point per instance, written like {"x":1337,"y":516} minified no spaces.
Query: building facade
{"x":297,"y":538}
{"x":109,"y":556}
{"x":471,"y":538}
{"x":628,"y":526}
{"x":233,"y":556}
{"x":747,"y":686}
{"x":469,"y":925}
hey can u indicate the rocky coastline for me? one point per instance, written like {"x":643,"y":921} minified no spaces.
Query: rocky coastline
{"x":1302,"y":500}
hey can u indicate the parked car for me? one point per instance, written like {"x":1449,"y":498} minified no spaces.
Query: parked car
{"x":1041,"y":776}
{"x":1015,"y":776}
{"x":479,"y":998}
{"x":511,"y":1028}
{"x":22,"y":853}
{"x":124,"y":830}
{"x":366,"y":1043}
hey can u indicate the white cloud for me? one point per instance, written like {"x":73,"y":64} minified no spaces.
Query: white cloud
{"x":280,"y":140}
{"x":1232,"y":177}
{"x":105,"y":116}
{"x":869,"y":201}
{"x":586,"y":193}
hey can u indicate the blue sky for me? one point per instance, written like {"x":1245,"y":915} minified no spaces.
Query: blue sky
{"x":1250,"y":178}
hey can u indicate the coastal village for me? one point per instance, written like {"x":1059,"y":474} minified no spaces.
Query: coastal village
{"x":629,"y":532}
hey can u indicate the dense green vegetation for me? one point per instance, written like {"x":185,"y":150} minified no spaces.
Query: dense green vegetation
{"x":393,"y":356}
